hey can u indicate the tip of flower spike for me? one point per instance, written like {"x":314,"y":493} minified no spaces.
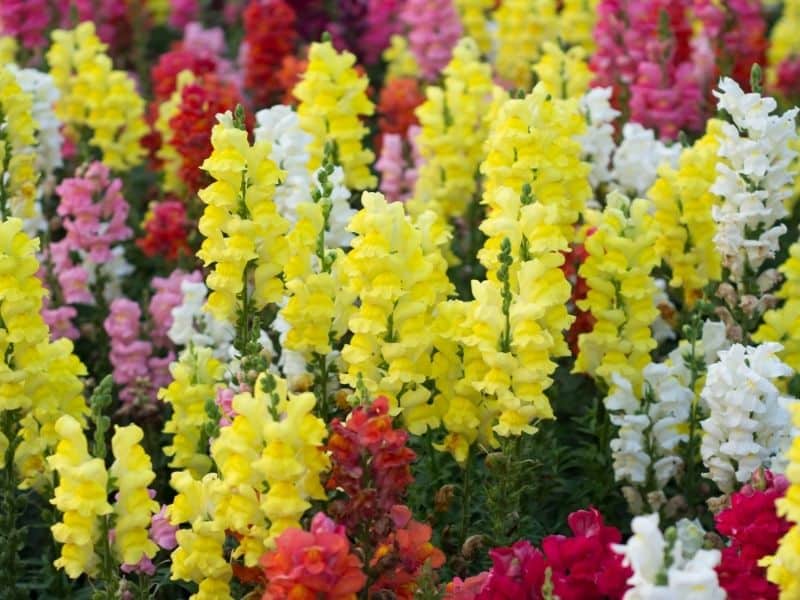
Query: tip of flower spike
{"x":756,"y":79}
{"x":326,"y":37}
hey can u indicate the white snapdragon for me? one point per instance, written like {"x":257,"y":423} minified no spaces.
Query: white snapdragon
{"x":192,"y":325}
{"x":671,"y":566}
{"x":598,"y":139}
{"x":637,"y":158}
{"x":748,"y":424}
{"x":650,"y":429}
{"x":289,"y":150}
{"x":753,"y":178}
{"x":336,"y":234}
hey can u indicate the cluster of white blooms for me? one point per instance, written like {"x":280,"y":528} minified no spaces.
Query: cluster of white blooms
{"x":666,"y":567}
{"x":645,"y":451}
{"x":637,"y":158}
{"x":753,"y":179}
{"x":748,"y":424}
{"x":281,"y":127}
{"x":336,"y":234}
{"x":598,"y":139}
{"x":192,"y":325}
{"x":112,"y":272}
{"x":650,"y":429}
{"x":44,"y":95}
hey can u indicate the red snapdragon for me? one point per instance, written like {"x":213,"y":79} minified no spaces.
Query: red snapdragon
{"x":754,"y":529}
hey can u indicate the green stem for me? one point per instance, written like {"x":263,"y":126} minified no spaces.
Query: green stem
{"x":465,"y":489}
{"x":10,"y":505}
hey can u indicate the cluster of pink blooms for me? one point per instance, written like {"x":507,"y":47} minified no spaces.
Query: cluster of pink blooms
{"x":662,"y":69}
{"x":433,"y":31}
{"x":398,"y":174}
{"x":139,"y":373}
{"x":582,"y":567}
{"x":93,"y":214}
{"x":644,"y":51}
{"x":140,"y":356}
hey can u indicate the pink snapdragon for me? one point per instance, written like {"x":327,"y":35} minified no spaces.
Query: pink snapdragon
{"x":129,"y":355}
{"x":167,"y":296}
{"x":183,"y":12}
{"x":397,"y":175}
{"x":644,"y":53}
{"x":93,"y":212}
{"x":434,"y":28}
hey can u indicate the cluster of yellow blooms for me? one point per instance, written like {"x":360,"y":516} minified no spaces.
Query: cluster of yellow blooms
{"x":621,"y":256}
{"x":563,"y":73}
{"x":783,"y":324}
{"x":509,"y":334}
{"x":783,"y":569}
{"x":533,"y":141}
{"x":199,"y":556}
{"x":332,"y":98}
{"x":398,"y":273}
{"x":194,"y":383}
{"x":37,"y":376}
{"x":454,"y":122}
{"x":132,"y":474}
{"x":17,"y":149}
{"x":81,"y":497}
{"x":475,"y":21}
{"x":682,"y":218}
{"x":241,"y":223}
{"x":82,"y":492}
{"x":522,"y":26}
{"x":273,"y":443}
{"x":576,"y":20}
{"x":318,"y":306}
{"x":400,"y":61}
{"x":96,"y":101}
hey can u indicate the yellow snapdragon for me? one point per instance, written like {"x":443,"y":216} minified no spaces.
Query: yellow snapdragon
{"x":563,"y":73}
{"x":783,"y":569}
{"x":783,"y":324}
{"x":199,"y":555}
{"x":133,"y":509}
{"x":241,"y":224}
{"x":333,"y":99}
{"x":275,"y":443}
{"x":38,"y":377}
{"x":400,"y":61}
{"x":97,"y":97}
{"x":18,"y":174}
{"x":682,"y":218}
{"x":195,"y":377}
{"x":576,"y":21}
{"x":621,"y":256}
{"x":522,"y":25}
{"x":454,"y":121}
{"x":398,"y":273}
{"x":81,"y":496}
{"x":533,"y":141}
{"x":475,"y":21}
